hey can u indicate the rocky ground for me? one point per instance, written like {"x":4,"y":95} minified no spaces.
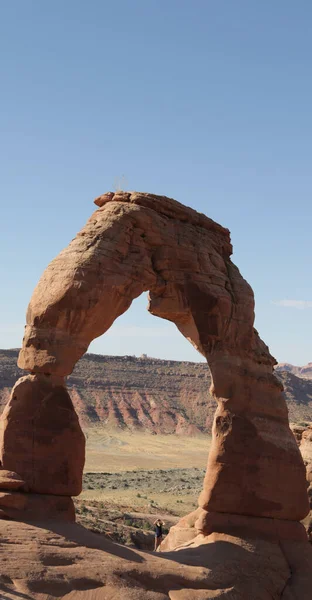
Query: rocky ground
{"x":179,"y":481}
{"x":51,"y":560}
{"x":124,"y":505}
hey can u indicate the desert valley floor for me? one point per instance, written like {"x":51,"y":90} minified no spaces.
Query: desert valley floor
{"x":130,"y":478}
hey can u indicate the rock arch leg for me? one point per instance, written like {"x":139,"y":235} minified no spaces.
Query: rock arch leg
{"x":253,"y":468}
{"x":41,"y":451}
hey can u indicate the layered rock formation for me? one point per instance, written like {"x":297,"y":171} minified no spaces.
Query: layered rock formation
{"x":138,"y":242}
{"x":146,"y":394}
{"x":52,"y":561}
{"x":304,"y":372}
{"x":149,"y":394}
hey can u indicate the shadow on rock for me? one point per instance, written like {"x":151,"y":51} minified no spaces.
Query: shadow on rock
{"x":84,"y":537}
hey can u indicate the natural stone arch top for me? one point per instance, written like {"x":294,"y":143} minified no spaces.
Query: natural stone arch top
{"x":133,"y":243}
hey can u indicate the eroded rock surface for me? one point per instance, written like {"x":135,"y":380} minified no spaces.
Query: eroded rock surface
{"x":160,"y":396}
{"x":244,"y":541}
{"x":51,"y":560}
{"x":33,"y":507}
{"x":137,"y":242}
{"x":42,"y":451}
{"x":41,"y":439}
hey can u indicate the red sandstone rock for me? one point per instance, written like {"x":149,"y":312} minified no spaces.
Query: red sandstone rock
{"x":254,"y":455}
{"x":12,"y":481}
{"x":54,"y":560}
{"x":33,"y":507}
{"x":40,"y":437}
{"x":201,"y":522}
{"x":138,"y":242}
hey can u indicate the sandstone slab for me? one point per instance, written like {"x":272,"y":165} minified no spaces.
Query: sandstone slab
{"x":33,"y":507}
{"x":52,"y":560}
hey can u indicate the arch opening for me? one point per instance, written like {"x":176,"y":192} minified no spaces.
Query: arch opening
{"x":137,"y":333}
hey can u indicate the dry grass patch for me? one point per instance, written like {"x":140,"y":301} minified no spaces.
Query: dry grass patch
{"x":113,"y":451}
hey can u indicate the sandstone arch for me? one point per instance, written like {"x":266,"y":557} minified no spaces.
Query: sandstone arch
{"x":133,"y":243}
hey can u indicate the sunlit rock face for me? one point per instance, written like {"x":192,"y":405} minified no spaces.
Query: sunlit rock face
{"x":244,"y":540}
{"x":41,"y":437}
{"x":137,"y":242}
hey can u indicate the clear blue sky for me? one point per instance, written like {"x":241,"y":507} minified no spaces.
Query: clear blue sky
{"x":205,"y":101}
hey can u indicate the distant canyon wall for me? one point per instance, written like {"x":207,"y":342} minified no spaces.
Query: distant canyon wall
{"x":305,"y":372}
{"x":155,"y":395}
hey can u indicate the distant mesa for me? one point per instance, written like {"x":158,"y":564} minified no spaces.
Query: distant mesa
{"x":305,"y":372}
{"x":149,"y":394}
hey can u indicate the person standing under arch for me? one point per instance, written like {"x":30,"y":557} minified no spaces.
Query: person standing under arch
{"x":158,"y":524}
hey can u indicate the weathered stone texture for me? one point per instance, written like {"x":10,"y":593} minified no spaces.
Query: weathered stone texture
{"x":54,"y":560}
{"x":36,"y":507}
{"x":137,"y":242}
{"x":244,"y":535}
{"x":40,"y":437}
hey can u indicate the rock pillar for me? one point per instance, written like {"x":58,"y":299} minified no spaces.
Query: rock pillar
{"x":254,"y":465}
{"x":41,"y":450}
